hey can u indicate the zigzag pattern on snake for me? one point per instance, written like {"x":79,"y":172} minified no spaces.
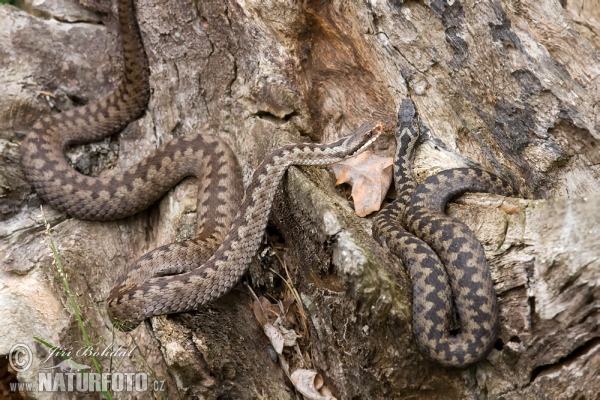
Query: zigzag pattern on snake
{"x":446,"y":262}
{"x":180,"y":276}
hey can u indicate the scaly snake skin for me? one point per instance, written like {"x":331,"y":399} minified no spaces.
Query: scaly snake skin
{"x":415,"y":228}
{"x":180,"y":276}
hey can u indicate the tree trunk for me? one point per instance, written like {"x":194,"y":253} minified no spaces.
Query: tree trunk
{"x":511,"y":85}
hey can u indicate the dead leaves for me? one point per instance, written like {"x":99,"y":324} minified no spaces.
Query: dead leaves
{"x":310,"y":384}
{"x":284,"y":323}
{"x":265,"y":311}
{"x":370,"y":177}
{"x":274,"y":317}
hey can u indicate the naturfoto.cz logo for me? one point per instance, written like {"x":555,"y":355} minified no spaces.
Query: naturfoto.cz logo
{"x":70,"y":376}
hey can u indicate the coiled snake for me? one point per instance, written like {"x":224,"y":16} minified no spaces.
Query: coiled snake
{"x":180,"y":276}
{"x":415,"y":228}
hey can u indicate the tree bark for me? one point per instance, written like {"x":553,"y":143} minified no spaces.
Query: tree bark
{"x":510,"y":85}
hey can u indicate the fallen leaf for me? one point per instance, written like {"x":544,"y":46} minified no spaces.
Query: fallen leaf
{"x":279,"y":336}
{"x":309,"y":383}
{"x":370,"y":177}
{"x":275,"y":336}
{"x":289,"y":336}
{"x":265,"y":311}
{"x":258,"y":313}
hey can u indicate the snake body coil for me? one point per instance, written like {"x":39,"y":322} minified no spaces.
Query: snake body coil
{"x":180,"y":276}
{"x":444,"y":258}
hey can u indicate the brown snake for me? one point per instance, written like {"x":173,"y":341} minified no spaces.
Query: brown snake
{"x":180,"y":276}
{"x":415,"y":228}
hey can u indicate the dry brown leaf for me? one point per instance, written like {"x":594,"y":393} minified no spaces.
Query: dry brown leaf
{"x":288,"y":307}
{"x":290,"y":316}
{"x":271,"y":310}
{"x":370,"y":177}
{"x":258,"y":313}
{"x":310,"y":384}
{"x":265,"y":311}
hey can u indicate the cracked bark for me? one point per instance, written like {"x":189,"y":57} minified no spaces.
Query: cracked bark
{"x":513,"y":86}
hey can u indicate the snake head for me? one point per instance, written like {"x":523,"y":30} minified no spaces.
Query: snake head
{"x":363,"y":137}
{"x":406,"y":112}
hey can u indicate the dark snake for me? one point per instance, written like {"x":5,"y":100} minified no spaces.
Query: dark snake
{"x":445,"y":260}
{"x":181,"y":276}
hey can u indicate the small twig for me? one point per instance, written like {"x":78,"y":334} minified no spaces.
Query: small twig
{"x":290,"y":286}
{"x":47,"y":94}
